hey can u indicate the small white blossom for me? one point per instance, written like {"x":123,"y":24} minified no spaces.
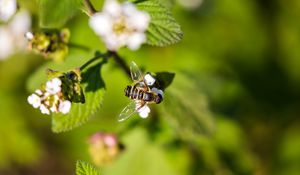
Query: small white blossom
{"x":65,"y":106}
{"x":50,"y":99}
{"x":53,"y":86}
{"x":38,"y":92}
{"x":149,"y":79}
{"x":7,"y":9}
{"x":44,"y":109}
{"x":120,"y":25}
{"x":143,"y":111}
{"x":158,"y":91}
{"x":34,"y":100}
{"x":29,"y":36}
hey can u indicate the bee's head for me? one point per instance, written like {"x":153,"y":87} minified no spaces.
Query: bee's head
{"x":159,"y":96}
{"x":158,"y":99}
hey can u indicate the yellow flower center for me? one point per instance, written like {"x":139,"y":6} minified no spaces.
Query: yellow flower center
{"x":120,"y":26}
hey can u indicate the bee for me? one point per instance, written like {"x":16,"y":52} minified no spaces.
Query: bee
{"x":140,"y":93}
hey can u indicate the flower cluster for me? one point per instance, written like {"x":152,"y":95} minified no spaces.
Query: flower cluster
{"x":145,"y":110}
{"x":52,"y":44}
{"x":120,"y":25}
{"x":50,"y":98}
{"x":12,"y":33}
{"x":104,"y":147}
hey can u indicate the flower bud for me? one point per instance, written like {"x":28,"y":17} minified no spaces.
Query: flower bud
{"x":104,"y":148}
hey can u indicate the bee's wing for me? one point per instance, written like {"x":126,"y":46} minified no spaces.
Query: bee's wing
{"x":128,"y":111}
{"x":135,"y":72}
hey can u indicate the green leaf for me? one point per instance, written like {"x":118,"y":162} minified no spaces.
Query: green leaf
{"x":94,"y":89}
{"x":84,"y":168}
{"x":163,"y":29}
{"x":54,"y":14}
{"x":164,"y":79}
{"x":186,"y":108}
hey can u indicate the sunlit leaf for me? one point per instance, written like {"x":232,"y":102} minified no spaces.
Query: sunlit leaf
{"x":91,"y":83}
{"x":94,"y":89}
{"x":54,"y":14}
{"x":84,"y":168}
{"x":163,"y":29}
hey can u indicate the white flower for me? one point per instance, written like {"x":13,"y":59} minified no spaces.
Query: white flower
{"x":7,"y":9}
{"x":44,"y":109}
{"x":12,"y":34}
{"x":120,"y":25}
{"x":53,"y":86}
{"x":34,"y":100}
{"x":158,"y":91}
{"x":50,"y":99}
{"x":64,"y":107}
{"x":143,"y":111}
{"x":149,"y":79}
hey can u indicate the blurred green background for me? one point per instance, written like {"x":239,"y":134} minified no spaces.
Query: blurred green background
{"x":233,"y":108}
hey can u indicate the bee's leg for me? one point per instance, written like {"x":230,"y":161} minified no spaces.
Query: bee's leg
{"x":142,"y":104}
{"x":135,"y":85}
{"x":146,"y":87}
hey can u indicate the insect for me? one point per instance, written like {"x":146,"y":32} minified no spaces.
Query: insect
{"x":140,"y":93}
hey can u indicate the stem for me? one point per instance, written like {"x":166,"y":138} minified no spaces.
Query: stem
{"x":120,"y":61}
{"x":97,"y":56}
{"x":78,"y":46}
{"x":90,"y":7}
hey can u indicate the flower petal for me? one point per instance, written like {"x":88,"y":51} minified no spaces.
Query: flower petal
{"x":135,"y":40}
{"x":53,"y":86}
{"x":34,"y":100}
{"x":101,"y":23}
{"x":136,"y":19}
{"x":44,"y":110}
{"x":112,"y":7}
{"x":149,"y":79}
{"x":144,"y":111}
{"x":65,"y":107}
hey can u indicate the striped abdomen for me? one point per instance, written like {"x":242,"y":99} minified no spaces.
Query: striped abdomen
{"x":138,"y":94}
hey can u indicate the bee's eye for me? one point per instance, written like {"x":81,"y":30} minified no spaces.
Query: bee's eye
{"x":71,"y":76}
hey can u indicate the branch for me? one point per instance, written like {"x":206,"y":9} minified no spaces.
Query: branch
{"x":97,"y":56}
{"x":90,"y":8}
{"x":78,"y":46}
{"x":120,"y":61}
